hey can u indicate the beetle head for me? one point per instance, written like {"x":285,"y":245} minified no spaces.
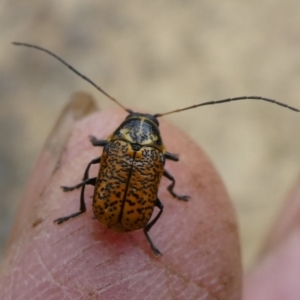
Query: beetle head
{"x":140,"y":115}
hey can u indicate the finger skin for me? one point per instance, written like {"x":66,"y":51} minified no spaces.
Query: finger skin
{"x":276,"y":274}
{"x":81,"y":259}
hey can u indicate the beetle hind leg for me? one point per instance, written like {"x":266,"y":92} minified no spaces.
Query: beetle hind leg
{"x":63,"y":219}
{"x":150,"y":224}
{"x":171,"y":187}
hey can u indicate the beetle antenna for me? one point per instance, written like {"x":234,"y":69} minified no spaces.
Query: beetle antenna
{"x":74,"y":70}
{"x":230,"y":100}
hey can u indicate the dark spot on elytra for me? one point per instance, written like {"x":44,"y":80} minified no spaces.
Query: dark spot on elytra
{"x":135,"y":195}
{"x":131,"y":203}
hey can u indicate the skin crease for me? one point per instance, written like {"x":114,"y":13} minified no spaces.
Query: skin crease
{"x":81,"y":259}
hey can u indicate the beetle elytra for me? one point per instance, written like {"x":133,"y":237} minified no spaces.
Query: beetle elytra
{"x":131,"y":167}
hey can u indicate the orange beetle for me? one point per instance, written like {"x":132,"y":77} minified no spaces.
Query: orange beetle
{"x":131,"y":167}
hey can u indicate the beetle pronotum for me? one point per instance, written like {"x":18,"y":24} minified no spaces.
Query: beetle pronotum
{"x":125,"y":196}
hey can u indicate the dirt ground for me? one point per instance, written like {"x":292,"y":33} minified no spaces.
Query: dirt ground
{"x":159,"y":56}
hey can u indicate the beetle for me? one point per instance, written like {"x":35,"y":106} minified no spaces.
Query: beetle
{"x":131,"y":167}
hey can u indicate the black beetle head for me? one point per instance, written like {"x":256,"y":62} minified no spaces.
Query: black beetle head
{"x":147,"y":116}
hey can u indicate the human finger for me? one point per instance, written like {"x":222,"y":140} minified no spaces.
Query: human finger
{"x":81,"y":259}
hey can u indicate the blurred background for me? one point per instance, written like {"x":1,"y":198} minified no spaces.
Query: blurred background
{"x":159,"y":56}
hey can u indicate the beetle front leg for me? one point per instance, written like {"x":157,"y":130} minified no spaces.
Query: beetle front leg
{"x":96,"y":142}
{"x":149,"y":225}
{"x":171,"y":187}
{"x":171,"y":156}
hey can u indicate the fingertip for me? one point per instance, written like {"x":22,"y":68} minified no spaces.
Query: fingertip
{"x":198,"y":239}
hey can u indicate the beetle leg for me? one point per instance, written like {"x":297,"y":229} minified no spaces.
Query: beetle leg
{"x":82,"y":209}
{"x":96,"y":142}
{"x":171,"y":187}
{"x":171,"y":156}
{"x":150,"y":224}
{"x":86,"y":180}
{"x":85,"y":176}
{"x":77,"y":186}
